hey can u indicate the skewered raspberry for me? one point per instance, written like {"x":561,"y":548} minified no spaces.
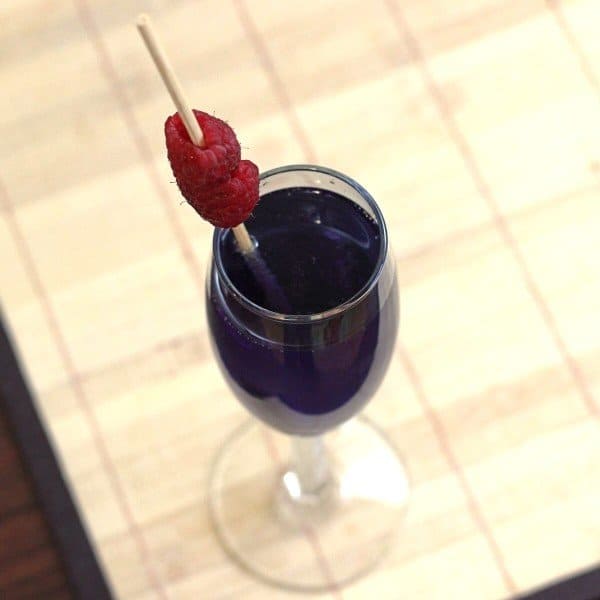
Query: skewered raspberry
{"x":229,"y":204}
{"x":196,"y":167}
{"x":221,"y":188}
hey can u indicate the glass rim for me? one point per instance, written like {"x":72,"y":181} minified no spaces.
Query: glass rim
{"x":355,"y":299}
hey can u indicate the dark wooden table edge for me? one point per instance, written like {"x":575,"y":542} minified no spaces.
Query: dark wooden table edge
{"x":582,"y":586}
{"x":83,"y":570}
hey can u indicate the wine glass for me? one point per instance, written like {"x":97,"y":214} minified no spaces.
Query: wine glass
{"x":303,"y":330}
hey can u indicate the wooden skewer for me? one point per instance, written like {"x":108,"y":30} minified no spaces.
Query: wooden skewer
{"x":146,"y":29}
{"x":161,"y":61}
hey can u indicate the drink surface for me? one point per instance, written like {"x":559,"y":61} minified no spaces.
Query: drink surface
{"x":317,"y":250}
{"x":320,"y":248}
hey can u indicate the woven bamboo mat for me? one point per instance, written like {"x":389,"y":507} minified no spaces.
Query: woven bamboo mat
{"x":476,"y":126}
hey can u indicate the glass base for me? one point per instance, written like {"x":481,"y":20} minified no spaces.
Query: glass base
{"x":315,"y":541}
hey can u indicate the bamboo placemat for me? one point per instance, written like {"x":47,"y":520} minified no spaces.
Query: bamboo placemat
{"x":476,"y":126}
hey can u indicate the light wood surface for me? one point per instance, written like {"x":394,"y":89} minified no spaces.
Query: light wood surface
{"x":476,"y":126}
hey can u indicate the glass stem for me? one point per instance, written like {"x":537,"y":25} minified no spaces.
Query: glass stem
{"x":310,"y":463}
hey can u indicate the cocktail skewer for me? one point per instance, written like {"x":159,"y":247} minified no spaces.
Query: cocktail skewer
{"x":163,"y":65}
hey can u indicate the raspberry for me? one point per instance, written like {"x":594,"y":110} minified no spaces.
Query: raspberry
{"x":221,"y":188}
{"x":229,"y":204}
{"x":197,"y":167}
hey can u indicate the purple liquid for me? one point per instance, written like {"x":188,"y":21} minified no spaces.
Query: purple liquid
{"x":321,"y":249}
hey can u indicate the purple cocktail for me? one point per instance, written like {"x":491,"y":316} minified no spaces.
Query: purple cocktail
{"x":314,"y":369}
{"x":303,"y":329}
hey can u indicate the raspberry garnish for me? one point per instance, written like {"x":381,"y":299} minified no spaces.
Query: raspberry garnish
{"x":196,"y":167}
{"x":230,"y":203}
{"x":221,"y":188}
